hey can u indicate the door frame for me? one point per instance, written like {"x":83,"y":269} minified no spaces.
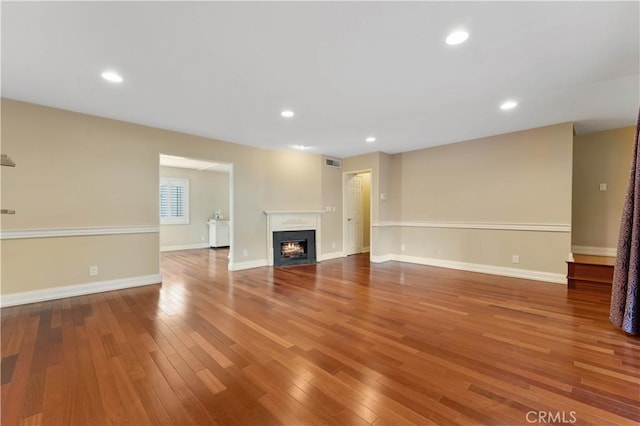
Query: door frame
{"x":345,"y":193}
{"x":231,"y":204}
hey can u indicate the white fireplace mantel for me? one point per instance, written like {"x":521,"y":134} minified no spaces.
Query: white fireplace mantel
{"x":291,"y":220}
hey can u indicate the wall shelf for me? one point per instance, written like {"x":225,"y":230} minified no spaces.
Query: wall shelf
{"x":6,"y":161}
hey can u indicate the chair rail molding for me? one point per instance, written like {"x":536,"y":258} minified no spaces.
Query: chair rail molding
{"x":77,"y":232}
{"x":501,"y":226}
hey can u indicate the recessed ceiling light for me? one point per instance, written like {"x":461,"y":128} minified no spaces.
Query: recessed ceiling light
{"x":112,"y":77}
{"x":301,"y":147}
{"x":457,"y":37}
{"x":508,"y":105}
{"x":370,"y":139}
{"x":287,"y":113}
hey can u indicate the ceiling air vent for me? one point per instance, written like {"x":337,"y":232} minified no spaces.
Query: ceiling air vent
{"x":330,"y":162}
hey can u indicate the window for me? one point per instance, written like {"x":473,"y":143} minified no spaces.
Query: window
{"x":174,"y":201}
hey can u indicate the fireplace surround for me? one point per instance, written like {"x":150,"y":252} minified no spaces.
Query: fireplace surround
{"x":299,"y":230}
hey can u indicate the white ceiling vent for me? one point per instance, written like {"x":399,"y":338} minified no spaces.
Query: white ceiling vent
{"x":330,"y":162}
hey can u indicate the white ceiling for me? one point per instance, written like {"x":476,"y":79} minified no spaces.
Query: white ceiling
{"x":348,"y":69}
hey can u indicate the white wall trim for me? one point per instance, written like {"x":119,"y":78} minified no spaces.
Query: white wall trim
{"x":365,"y":250}
{"x":77,"y":232}
{"x":329,"y":256}
{"x":475,"y":267}
{"x":381,"y":258}
{"x":595,"y":251}
{"x":13,"y":299}
{"x":185,"y":247}
{"x":502,"y":226}
{"x":239,"y":266}
{"x":292,"y":212}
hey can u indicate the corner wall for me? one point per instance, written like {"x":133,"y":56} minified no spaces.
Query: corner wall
{"x":82,"y":182}
{"x":475,"y":204}
{"x":601,"y":157}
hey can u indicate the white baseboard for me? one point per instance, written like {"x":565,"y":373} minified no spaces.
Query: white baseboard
{"x":239,"y":266}
{"x":595,"y":251}
{"x":77,"y":290}
{"x":486,"y":269}
{"x":366,"y":249}
{"x":329,"y":256}
{"x":381,"y":258}
{"x":185,"y":247}
{"x":475,"y":267}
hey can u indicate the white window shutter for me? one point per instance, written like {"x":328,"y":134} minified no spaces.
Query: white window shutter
{"x":174,"y":201}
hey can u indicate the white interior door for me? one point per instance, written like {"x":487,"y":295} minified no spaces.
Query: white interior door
{"x":353,"y":221}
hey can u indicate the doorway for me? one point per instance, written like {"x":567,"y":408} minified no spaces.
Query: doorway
{"x":194,"y":196}
{"x":357,"y":212}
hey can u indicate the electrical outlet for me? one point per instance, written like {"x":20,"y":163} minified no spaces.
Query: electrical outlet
{"x":515,"y":259}
{"x":201,"y":237}
{"x":402,"y":247}
{"x":93,"y":271}
{"x":333,"y":209}
{"x":333,"y":244}
{"x":245,"y":253}
{"x":603,"y":187}
{"x":327,"y":209}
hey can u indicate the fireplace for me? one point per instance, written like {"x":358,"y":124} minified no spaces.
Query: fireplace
{"x":293,"y":237}
{"x":294,"y":247}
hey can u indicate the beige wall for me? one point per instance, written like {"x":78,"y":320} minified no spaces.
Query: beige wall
{"x":75,"y":170}
{"x":538,"y":251}
{"x":208,"y":191}
{"x":602,"y":157}
{"x":45,"y":263}
{"x":522,"y":177}
{"x":385,"y":186}
{"x":331,"y":220}
{"x":517,"y":178}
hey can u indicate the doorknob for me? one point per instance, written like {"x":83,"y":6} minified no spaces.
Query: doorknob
{"x":349,"y":220}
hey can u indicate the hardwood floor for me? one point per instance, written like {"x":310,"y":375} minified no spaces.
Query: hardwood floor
{"x":340,"y":343}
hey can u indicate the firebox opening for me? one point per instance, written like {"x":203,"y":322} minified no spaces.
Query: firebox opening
{"x":294,"y":247}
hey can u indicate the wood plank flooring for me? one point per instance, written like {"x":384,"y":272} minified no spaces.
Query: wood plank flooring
{"x":343,"y":342}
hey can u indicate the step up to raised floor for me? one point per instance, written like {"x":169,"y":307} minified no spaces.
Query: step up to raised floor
{"x":590,"y":270}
